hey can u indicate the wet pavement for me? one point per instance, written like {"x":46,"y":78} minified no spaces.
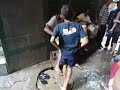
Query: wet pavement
{"x":95,"y":72}
{"x":96,"y":64}
{"x":92,"y":77}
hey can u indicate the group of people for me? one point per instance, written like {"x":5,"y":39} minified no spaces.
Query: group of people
{"x":66,"y":35}
{"x":110,"y":23}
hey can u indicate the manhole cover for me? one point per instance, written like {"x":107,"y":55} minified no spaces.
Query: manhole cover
{"x":49,"y":80}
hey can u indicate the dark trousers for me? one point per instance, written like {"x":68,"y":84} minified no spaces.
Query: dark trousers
{"x":108,"y":41}
{"x":100,"y":35}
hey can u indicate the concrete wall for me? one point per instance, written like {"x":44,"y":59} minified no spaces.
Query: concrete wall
{"x":21,"y":30}
{"x":22,"y":33}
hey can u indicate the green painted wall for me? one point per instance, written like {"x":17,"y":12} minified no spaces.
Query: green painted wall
{"x":22,"y":33}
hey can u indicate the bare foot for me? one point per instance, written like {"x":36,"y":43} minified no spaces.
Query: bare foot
{"x":58,"y":71}
{"x":113,"y":53}
{"x":78,"y":66}
{"x":62,"y":88}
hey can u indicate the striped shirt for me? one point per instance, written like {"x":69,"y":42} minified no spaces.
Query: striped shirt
{"x":104,"y":13}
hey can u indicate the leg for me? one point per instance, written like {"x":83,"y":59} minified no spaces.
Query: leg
{"x":103,"y":29}
{"x":107,"y":41}
{"x":67,"y":77}
{"x":57,"y":67}
{"x":111,"y":44}
{"x":78,"y":65}
{"x":115,"y":38}
{"x":97,"y":38}
{"x":113,"y":49}
{"x":64,"y":76}
{"x":64,"y":71}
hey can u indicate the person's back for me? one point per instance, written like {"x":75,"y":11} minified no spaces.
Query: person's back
{"x":69,"y":36}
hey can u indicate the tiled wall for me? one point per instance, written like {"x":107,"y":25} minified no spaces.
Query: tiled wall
{"x":22,"y":33}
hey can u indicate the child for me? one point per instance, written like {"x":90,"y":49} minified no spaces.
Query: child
{"x":69,"y":34}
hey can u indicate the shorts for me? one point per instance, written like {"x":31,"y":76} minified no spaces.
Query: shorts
{"x":68,"y":59}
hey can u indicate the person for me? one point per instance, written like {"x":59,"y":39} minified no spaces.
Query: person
{"x":55,"y":19}
{"x":103,"y":17}
{"x":84,"y":18}
{"x":110,"y":23}
{"x":115,"y":32}
{"x":114,"y":81}
{"x":69,"y":34}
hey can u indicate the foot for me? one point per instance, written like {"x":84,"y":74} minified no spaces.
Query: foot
{"x":78,"y":66}
{"x":113,"y":53}
{"x":110,"y":50}
{"x":62,"y":88}
{"x":105,"y":48}
{"x":58,"y":71}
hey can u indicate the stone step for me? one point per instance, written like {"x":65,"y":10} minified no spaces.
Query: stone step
{"x":3,"y":69}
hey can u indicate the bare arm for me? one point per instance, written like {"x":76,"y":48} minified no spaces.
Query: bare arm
{"x":115,"y":23}
{"x":48,"y":29}
{"x":85,"y":41}
{"x":52,"y":40}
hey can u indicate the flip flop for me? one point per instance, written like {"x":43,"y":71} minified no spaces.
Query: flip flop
{"x":43,"y":81}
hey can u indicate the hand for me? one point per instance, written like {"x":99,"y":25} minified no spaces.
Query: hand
{"x":115,"y":20}
{"x":111,"y":30}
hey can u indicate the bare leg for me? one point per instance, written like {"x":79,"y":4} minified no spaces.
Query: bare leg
{"x":67,"y":75}
{"x":64,"y":75}
{"x":113,"y":48}
{"x":57,"y":67}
